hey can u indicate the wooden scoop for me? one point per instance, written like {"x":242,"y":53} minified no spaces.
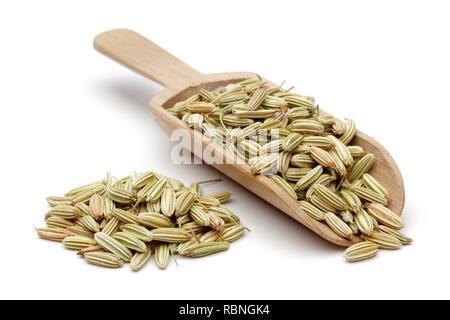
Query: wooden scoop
{"x":181,"y":81}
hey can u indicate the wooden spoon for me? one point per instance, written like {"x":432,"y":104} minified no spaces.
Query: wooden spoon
{"x":181,"y":81}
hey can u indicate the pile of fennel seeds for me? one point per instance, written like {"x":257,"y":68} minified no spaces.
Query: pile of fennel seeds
{"x":122,"y":220}
{"x":282,"y":135}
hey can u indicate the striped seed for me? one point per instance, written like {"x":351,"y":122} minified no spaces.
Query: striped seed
{"x":125,"y":216}
{"x":103,"y":259}
{"x":89,"y":223}
{"x":369,"y":195}
{"x":120,"y":195}
{"x":154,"y":220}
{"x":349,"y":133}
{"x":222,"y":196}
{"x":400,"y":236}
{"x":199,"y":215}
{"x":338,"y":226}
{"x":309,"y":178}
{"x":341,"y":150}
{"x":383,"y":240}
{"x":184,"y":202}
{"x":78,"y":242}
{"x":364,"y":222}
{"x":96,"y":207}
{"x":112,"y":245}
{"x":156,"y":190}
{"x":284,"y":185}
{"x":321,"y":157}
{"x":138,"y":231}
{"x":57,"y":201}
{"x":80,"y":231}
{"x":140,"y":259}
{"x":371,"y":183}
{"x":172,"y":235}
{"x":312,"y":210}
{"x":361,"y":167}
{"x":303,"y":160}
{"x":233,"y":233}
{"x":162,"y":255}
{"x":361,"y":251}
{"x":330,"y":197}
{"x":356,"y":151}
{"x":64,"y":211}
{"x":53,"y":234}
{"x":318,"y":141}
{"x":202,"y":249}
{"x":168,"y":201}
{"x":385,"y":216}
{"x":130,"y":241}
{"x":292,"y":141}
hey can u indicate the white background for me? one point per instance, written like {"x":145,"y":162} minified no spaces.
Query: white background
{"x":69,"y":115}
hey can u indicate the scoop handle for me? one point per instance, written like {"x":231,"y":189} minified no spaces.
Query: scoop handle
{"x":144,"y":57}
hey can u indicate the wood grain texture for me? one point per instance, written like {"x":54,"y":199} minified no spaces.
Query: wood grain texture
{"x":181,"y":81}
